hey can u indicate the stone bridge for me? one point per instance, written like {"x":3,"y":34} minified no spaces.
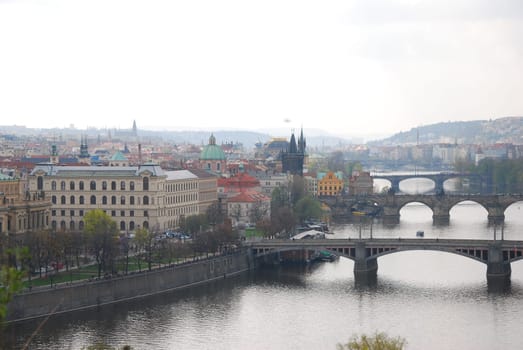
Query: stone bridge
{"x":438,"y":179}
{"x":391,"y":204}
{"x":497,"y":255}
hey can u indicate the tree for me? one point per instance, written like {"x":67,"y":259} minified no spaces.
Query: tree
{"x":10,"y":278}
{"x":307,"y":208}
{"x":102,"y":238}
{"x":379,"y":341}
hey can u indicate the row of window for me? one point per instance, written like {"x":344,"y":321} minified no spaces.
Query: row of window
{"x":105,"y":200}
{"x":72,"y":225}
{"x":81,"y":213}
{"x":93,"y":185}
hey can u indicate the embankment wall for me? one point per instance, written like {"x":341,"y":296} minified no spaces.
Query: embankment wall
{"x":88,"y":294}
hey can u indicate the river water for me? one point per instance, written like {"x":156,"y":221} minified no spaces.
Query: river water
{"x":434,"y":300}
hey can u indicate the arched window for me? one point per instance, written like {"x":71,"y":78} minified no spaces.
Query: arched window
{"x":81,"y":225}
{"x":82,"y":200}
{"x":62,"y":225}
{"x":113,"y":200}
{"x":104,"y":185}
{"x":218,"y":166}
{"x":146,"y":184}
{"x":53,"y":199}
{"x":81,"y":185}
{"x":71,"y":185}
{"x":104,"y":200}
{"x":93,"y":185}
{"x":93,"y":199}
{"x":122,"y":225}
{"x":145,"y":200}
{"x":131,"y":200}
{"x":53,"y":224}
{"x":131,"y":225}
{"x":131,"y":185}
{"x":62,"y":200}
{"x":122,"y":200}
{"x":71,"y":200}
{"x":53,"y":185}
{"x":113,"y":185}
{"x":40,"y":183}
{"x":122,"y":185}
{"x":146,"y":224}
{"x":71,"y":225}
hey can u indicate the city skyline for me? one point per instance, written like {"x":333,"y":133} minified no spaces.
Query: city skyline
{"x":349,"y":68}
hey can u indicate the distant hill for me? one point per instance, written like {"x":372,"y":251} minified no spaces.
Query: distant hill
{"x":502,"y":130}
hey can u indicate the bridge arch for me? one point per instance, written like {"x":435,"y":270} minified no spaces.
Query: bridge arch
{"x":453,"y":203}
{"x":427,"y":184}
{"x":514,"y":211}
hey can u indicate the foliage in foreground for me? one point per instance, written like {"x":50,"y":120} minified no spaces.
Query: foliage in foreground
{"x":379,"y":341}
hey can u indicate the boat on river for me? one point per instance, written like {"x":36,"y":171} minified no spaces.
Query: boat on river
{"x":420,"y":233}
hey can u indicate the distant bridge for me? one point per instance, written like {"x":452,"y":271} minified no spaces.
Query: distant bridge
{"x":497,"y":255}
{"x":391,"y":204}
{"x":439,"y":179}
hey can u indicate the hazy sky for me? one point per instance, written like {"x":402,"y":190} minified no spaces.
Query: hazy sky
{"x":349,"y":67}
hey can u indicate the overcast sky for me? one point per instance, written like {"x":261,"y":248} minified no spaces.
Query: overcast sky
{"x":349,"y":67}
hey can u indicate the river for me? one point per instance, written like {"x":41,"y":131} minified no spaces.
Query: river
{"x":434,"y":300}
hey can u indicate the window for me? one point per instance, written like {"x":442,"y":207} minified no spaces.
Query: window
{"x":82,"y":199}
{"x":81,"y":225}
{"x":53,"y":185}
{"x":145,"y":200}
{"x":71,"y":185}
{"x":104,"y":200}
{"x":72,"y":200}
{"x":71,"y":225}
{"x":122,"y":185}
{"x":131,"y":213}
{"x":93,"y":199}
{"x":122,"y":200}
{"x":62,"y":187}
{"x":113,"y":200}
{"x":122,"y":213}
{"x":104,"y":185}
{"x":53,"y":224}
{"x":81,"y":185}
{"x":146,"y":224}
{"x":131,"y":185}
{"x":131,"y":225}
{"x":40,"y":183}
{"x":53,"y":212}
{"x":146,"y":213}
{"x":113,"y":185}
{"x":131,"y":200}
{"x":62,"y":200}
{"x":122,"y":225}
{"x":113,"y":212}
{"x":62,"y":212}
{"x":146,"y":184}
{"x":92,"y":185}
{"x":53,"y":199}
{"x":81,"y":213}
{"x":71,"y":213}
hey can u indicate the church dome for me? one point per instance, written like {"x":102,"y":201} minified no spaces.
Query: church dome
{"x":212,"y":151}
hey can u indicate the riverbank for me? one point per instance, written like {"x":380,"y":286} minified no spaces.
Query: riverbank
{"x":41,"y":302}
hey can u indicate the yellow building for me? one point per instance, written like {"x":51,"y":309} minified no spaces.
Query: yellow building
{"x":330,"y":184}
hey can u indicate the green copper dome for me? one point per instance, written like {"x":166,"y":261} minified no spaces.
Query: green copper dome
{"x":212,"y":151}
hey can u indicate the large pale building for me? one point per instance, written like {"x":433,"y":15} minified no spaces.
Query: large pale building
{"x":134,"y":196}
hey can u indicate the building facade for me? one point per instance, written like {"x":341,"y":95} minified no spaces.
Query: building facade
{"x":20,"y":211}
{"x":137,"y":196}
{"x":330,"y":183}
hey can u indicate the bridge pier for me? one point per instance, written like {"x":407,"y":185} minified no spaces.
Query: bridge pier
{"x":391,"y":219}
{"x":498,"y":270}
{"x":365,"y":268}
{"x":441,"y":219}
{"x":496,"y":219}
